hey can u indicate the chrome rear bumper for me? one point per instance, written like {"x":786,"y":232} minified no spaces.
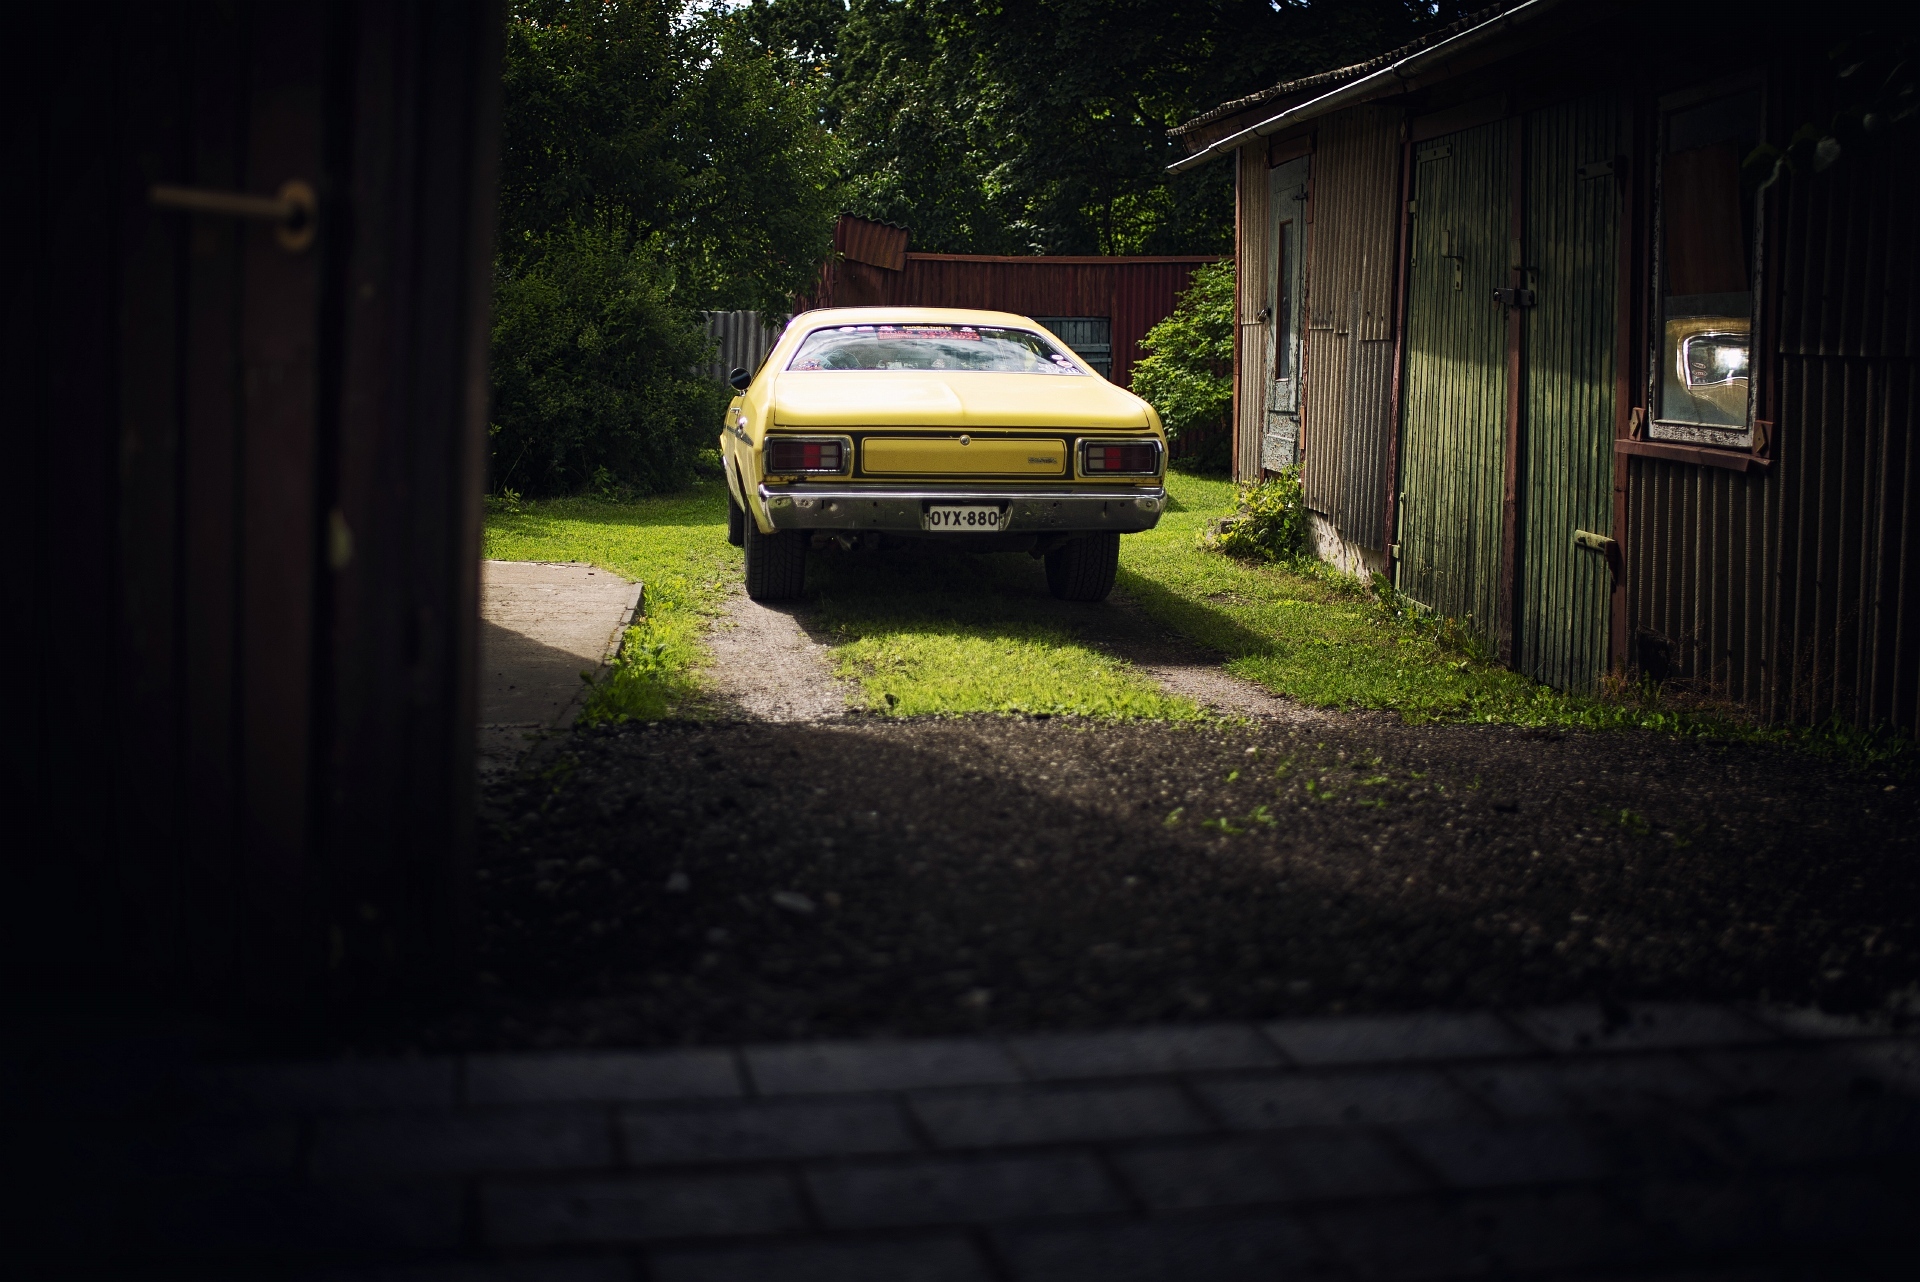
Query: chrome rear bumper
{"x":899,"y":510}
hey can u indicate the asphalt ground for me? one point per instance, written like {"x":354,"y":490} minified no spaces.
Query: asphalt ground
{"x":707,"y":882}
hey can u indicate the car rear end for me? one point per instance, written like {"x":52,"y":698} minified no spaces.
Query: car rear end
{"x":1054,"y":461}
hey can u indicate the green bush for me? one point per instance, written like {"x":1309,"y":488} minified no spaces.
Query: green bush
{"x":592,"y":372}
{"x":1188,"y":374}
{"x":1269,"y":521}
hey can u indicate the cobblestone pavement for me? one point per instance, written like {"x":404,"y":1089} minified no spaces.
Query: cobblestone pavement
{"x":1697,"y":1141}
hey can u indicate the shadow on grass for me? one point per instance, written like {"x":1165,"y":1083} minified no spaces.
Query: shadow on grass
{"x":1205,"y":625}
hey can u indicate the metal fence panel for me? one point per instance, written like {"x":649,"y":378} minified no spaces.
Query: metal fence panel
{"x":743,"y":338}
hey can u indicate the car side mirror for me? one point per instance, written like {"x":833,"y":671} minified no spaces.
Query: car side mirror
{"x":739,"y":380}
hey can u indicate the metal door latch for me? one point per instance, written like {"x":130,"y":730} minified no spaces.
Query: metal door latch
{"x":294,"y":211}
{"x":1514,"y":297}
{"x":1609,"y":552}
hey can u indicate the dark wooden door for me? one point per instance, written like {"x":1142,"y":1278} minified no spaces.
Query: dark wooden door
{"x":248,"y":634}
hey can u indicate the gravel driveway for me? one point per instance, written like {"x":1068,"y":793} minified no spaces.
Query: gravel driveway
{"x":710,"y":882}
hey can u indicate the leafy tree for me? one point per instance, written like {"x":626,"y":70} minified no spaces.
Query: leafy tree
{"x":593,"y":380}
{"x":670,"y":123}
{"x":1040,"y":126}
{"x":657,"y":159}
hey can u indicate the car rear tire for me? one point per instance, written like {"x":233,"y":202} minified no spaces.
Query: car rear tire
{"x":776,"y":563}
{"x":1083,"y":569}
{"x":736,"y":520}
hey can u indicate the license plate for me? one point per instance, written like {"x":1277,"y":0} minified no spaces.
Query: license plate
{"x":965,"y":520}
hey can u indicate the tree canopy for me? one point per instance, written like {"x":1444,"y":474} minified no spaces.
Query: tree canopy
{"x":665,"y":121}
{"x":1039,"y":126}
{"x":666,"y":156}
{"x":656,"y":160}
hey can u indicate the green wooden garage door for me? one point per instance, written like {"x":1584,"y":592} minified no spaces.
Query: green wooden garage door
{"x":1568,"y":402}
{"x":1453,"y":433}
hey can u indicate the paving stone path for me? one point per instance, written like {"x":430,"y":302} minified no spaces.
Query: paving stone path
{"x":1659,"y":1141}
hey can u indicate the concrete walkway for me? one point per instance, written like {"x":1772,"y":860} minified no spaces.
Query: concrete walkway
{"x":542,"y":624}
{"x":1655,"y":1140}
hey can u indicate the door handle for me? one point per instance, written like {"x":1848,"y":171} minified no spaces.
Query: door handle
{"x":294,"y":212}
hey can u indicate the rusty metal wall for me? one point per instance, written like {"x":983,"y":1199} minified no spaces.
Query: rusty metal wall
{"x":1567,"y":405}
{"x":1250,"y":297}
{"x":1699,"y":576}
{"x":743,"y":338}
{"x":1454,"y":430}
{"x":1350,"y":273}
{"x":1361,"y":514}
{"x":862,"y":240}
{"x":872,"y":267}
{"x":1135,"y":294}
{"x":1796,"y":590}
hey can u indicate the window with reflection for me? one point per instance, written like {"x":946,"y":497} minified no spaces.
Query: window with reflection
{"x":1707,"y":254}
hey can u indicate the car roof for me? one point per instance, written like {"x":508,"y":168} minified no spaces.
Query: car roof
{"x":893,"y":315}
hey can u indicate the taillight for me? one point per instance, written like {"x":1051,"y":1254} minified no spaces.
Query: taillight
{"x":801,"y":455}
{"x":1114,"y":458}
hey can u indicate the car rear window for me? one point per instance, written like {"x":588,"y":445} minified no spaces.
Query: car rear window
{"x":992,"y":348}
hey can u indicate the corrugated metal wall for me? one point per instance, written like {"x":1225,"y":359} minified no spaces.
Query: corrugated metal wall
{"x":1361,"y":513}
{"x":744,"y":340}
{"x":1848,"y":627}
{"x":1797,"y":590}
{"x":1453,"y":433}
{"x":1570,"y":336}
{"x":1356,"y":183}
{"x":1699,"y":578}
{"x":1250,"y":296}
{"x":864,"y":241}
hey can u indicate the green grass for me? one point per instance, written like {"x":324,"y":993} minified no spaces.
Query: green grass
{"x":937,"y":631}
{"x":940,"y":631}
{"x":1309,"y":634}
{"x":675,"y":544}
{"x":1314,"y":635}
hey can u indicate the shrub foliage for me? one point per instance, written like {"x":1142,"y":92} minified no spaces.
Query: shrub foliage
{"x":591,"y":371}
{"x":1188,"y":374}
{"x":1269,"y":521}
{"x":655,"y":161}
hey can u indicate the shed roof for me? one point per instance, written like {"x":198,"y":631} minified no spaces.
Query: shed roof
{"x":1339,"y":74}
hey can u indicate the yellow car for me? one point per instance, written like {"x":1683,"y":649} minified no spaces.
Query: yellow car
{"x":869,"y":425}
